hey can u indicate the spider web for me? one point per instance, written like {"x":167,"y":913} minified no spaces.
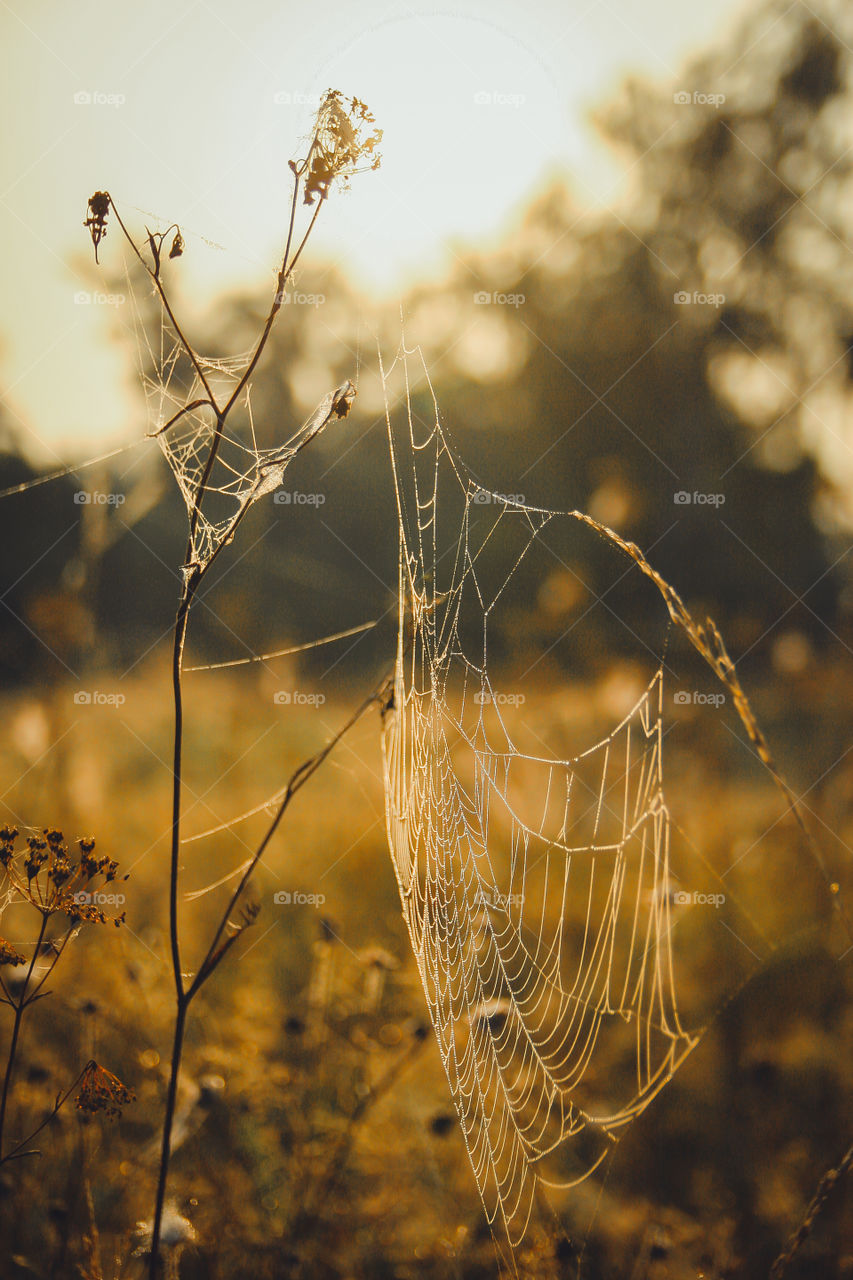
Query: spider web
{"x":174,"y":389}
{"x":535,"y":889}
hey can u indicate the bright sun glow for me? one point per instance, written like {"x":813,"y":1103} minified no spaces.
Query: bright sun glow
{"x":191,"y":112}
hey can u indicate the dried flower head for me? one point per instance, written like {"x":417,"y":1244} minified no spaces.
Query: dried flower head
{"x":53,"y":879}
{"x":8,"y":954}
{"x":343,"y":144}
{"x":99,"y":207}
{"x":100,"y":1090}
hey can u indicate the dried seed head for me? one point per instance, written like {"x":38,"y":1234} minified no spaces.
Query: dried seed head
{"x":52,"y":879}
{"x":100,"y":1090}
{"x":343,"y":144}
{"x":99,"y":207}
{"x":8,"y":954}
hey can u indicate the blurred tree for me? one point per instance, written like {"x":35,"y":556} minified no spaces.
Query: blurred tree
{"x":680,"y":367}
{"x":697,"y":342}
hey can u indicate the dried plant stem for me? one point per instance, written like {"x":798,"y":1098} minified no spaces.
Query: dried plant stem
{"x":20,"y":1005}
{"x":819,"y":1199}
{"x":91,"y":1238}
{"x":194,"y":574}
{"x":709,"y":644}
{"x":17,"y":1152}
{"x":337,"y":145}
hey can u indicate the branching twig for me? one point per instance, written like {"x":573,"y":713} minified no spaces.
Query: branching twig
{"x":296,"y":782}
{"x":17,"y":1152}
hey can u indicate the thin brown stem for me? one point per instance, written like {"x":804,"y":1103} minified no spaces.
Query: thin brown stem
{"x":167,"y":307}
{"x":296,"y":782}
{"x":176,"y":417}
{"x":57,"y":949}
{"x":194,"y":573}
{"x":284,"y":274}
{"x":17,"y":1152}
{"x":819,"y":1199}
{"x":168,"y":1119}
{"x":16,"y":1031}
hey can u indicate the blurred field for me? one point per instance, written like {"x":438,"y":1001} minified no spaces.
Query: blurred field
{"x":316,"y":1135}
{"x":680,"y":368}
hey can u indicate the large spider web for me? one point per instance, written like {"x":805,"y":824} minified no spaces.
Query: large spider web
{"x":535,"y":885}
{"x":535,"y":889}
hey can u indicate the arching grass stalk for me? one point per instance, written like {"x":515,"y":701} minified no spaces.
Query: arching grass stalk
{"x":342,"y":143}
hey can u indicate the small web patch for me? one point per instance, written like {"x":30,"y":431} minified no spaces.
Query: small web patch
{"x":184,"y":423}
{"x":535,"y":889}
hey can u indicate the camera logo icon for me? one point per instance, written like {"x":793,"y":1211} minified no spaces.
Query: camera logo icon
{"x":681,"y":99}
{"x":482,"y":298}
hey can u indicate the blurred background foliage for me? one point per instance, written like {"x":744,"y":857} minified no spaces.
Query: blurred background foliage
{"x":600,"y":390}
{"x":319,"y":1137}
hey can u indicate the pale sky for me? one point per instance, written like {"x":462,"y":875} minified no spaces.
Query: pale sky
{"x":191,"y":109}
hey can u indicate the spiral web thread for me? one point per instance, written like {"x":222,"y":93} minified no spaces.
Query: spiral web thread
{"x":535,"y":890}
